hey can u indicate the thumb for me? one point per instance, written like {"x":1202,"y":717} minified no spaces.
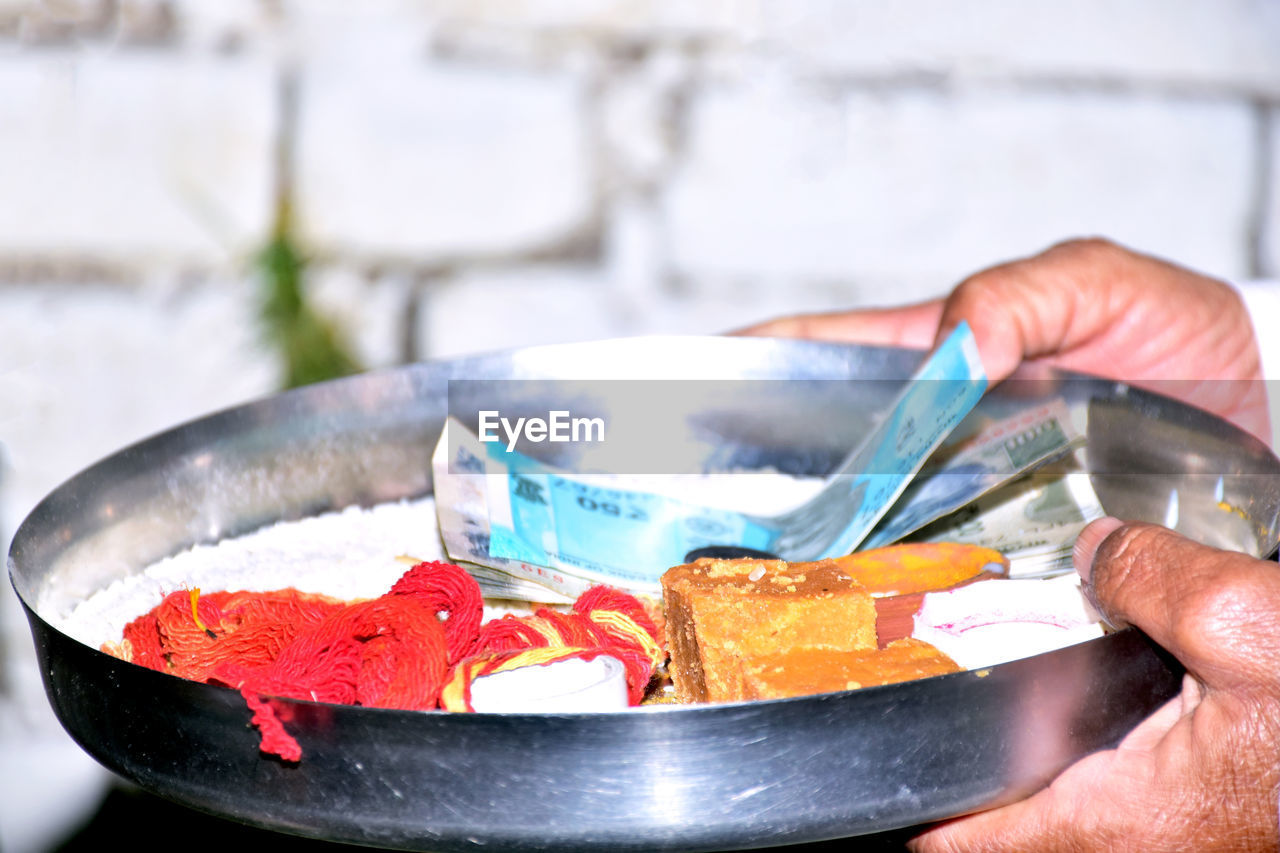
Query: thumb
{"x":1218,"y":612}
{"x":996,"y":330}
{"x":1042,"y":306}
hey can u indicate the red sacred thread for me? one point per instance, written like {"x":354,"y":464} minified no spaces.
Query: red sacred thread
{"x":508,"y":633}
{"x":451,"y":591}
{"x":406,"y":649}
{"x":625,"y":623}
{"x":274,"y":739}
{"x":388,"y":653}
{"x":189,"y":635}
{"x":141,"y":642}
{"x":247,"y":629}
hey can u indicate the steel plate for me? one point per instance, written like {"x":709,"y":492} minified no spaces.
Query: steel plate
{"x":657,"y":778}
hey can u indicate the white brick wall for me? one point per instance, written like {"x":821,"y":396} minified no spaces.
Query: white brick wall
{"x":90,"y":369}
{"x":134,"y":157}
{"x":416,"y":163}
{"x":1193,"y":45}
{"x":917,"y":188}
{"x":607,"y":21}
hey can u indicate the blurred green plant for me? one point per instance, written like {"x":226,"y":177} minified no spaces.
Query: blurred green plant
{"x":311,"y":346}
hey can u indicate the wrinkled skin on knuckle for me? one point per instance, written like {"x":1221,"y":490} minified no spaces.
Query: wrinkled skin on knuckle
{"x":1207,"y":623}
{"x":985,"y":294}
{"x":1235,"y":625}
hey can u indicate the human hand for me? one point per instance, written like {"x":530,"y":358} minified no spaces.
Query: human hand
{"x":1089,"y":306}
{"x":1199,"y":774}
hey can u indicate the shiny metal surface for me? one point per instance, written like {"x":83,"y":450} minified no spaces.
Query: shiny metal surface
{"x":688,"y":778}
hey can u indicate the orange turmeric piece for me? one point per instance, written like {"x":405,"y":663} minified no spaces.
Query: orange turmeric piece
{"x":918,"y":567}
{"x":805,"y":671}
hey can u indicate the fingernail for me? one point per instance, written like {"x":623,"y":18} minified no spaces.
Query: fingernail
{"x":1087,"y":543}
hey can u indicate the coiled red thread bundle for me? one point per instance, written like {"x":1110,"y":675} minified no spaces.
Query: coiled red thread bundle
{"x":418,"y":647}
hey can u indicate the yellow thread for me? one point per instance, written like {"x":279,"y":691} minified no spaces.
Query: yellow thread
{"x":547,"y":631}
{"x":628,"y":627}
{"x":455,"y":695}
{"x":195,"y":597}
{"x":537,"y":657}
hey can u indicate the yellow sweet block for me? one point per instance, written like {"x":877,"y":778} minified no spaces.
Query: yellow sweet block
{"x":721,"y":613}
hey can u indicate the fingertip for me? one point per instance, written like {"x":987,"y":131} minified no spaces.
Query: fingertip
{"x":1086,"y":547}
